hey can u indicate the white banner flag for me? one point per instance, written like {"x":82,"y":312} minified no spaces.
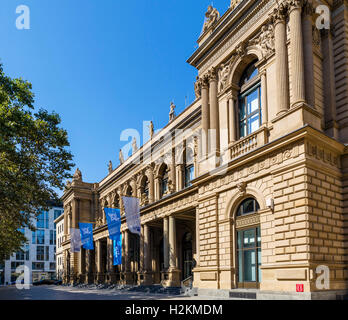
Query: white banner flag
{"x":75,"y":240}
{"x":132,"y":210}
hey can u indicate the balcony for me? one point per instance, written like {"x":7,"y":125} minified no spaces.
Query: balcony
{"x":249,"y":143}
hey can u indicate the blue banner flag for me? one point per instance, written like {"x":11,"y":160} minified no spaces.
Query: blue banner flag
{"x":86,"y":230}
{"x":113,"y":218}
{"x":117,"y":249}
{"x":132,"y":210}
{"x":75,"y":240}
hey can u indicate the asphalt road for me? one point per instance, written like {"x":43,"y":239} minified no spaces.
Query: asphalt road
{"x":73,"y":293}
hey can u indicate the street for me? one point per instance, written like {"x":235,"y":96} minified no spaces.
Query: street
{"x":75,"y":293}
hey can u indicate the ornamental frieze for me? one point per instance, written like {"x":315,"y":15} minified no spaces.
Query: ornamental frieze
{"x":246,"y":171}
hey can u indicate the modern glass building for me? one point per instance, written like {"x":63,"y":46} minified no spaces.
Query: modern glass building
{"x":38,"y":254}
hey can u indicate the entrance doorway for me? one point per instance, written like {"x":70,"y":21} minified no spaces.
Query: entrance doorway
{"x":249,"y":257}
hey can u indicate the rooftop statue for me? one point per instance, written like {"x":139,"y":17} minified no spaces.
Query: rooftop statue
{"x":77,"y":175}
{"x":110,"y":167}
{"x":211,"y":17}
{"x":172,"y":111}
{"x":134,"y":145}
{"x":151,"y":129}
{"x":121,"y":157}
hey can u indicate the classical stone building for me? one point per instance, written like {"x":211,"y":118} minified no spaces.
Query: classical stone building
{"x":248,"y":186}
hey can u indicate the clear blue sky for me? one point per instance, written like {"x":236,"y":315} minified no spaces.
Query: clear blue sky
{"x":104,"y":65}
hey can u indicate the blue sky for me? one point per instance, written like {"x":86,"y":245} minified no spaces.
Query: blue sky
{"x":104,"y":66}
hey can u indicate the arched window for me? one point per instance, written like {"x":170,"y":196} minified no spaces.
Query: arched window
{"x":189,"y":170}
{"x":249,"y":101}
{"x":248,"y":206}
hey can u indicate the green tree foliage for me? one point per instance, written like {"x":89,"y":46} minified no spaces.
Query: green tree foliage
{"x":34,"y":160}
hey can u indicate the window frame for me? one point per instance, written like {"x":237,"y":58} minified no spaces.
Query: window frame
{"x":246,"y":89}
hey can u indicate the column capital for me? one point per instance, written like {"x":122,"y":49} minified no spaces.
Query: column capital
{"x":212,"y":74}
{"x":279,"y":14}
{"x":204,"y":81}
{"x":294,"y":5}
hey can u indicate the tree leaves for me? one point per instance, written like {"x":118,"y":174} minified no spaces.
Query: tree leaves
{"x":34,"y":160}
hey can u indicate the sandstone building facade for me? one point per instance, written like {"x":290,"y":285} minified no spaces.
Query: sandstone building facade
{"x":248,"y":186}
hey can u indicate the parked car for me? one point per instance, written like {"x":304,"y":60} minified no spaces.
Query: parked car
{"x":44,"y":282}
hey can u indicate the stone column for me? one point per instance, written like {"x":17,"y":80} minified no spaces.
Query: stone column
{"x":142,"y":248}
{"x":147,"y":248}
{"x":180,"y":177}
{"x":111,"y":268}
{"x":172,"y":169}
{"x":172,"y":243}
{"x":205,"y":117}
{"x":147,"y":273}
{"x":281,"y":58}
{"x":232,"y":119}
{"x":89,"y":276}
{"x":99,"y":261}
{"x":123,"y":267}
{"x":264,"y":107}
{"x":307,"y":26}
{"x":296,"y":51}
{"x":157,"y":188}
{"x":82,"y":263}
{"x":214,"y":147}
{"x":197,"y":240}
{"x":329,"y":84}
{"x":98,"y":256}
{"x":120,"y":194}
{"x":174,"y":273}
{"x":151,"y":185}
{"x":166,"y":242}
{"x":127,"y":247}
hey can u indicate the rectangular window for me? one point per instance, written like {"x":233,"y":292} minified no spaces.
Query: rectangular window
{"x":40,"y":237}
{"x":47,"y":253}
{"x":40,"y":253}
{"x":47,"y":219}
{"x":38,"y":266}
{"x":41,"y":220}
{"x":57,"y":214}
{"x":52,"y":266}
{"x":189,"y":175}
{"x":51,"y":237}
{"x":15,"y":264}
{"x":250,"y":111}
